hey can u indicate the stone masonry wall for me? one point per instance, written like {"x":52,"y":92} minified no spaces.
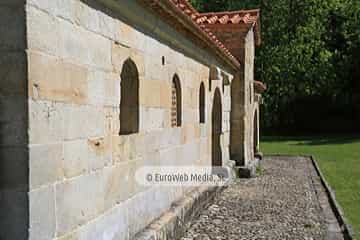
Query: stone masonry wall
{"x":250,"y":103}
{"x":81,"y":179}
{"x":243,"y":105}
{"x":14,"y":181}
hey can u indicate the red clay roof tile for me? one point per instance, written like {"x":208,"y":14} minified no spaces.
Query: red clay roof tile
{"x":202,"y":20}
{"x":260,"y":87}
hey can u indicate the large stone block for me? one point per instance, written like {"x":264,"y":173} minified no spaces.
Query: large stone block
{"x":119,"y":183}
{"x":52,"y":79}
{"x":129,"y":36}
{"x":14,"y":214}
{"x":14,"y":167}
{"x":76,"y":158}
{"x":150,"y":93}
{"x":165,"y":95}
{"x":12,"y":3}
{"x":107,"y":25}
{"x":103,"y":88}
{"x":154,"y":70}
{"x":13,"y":133}
{"x":78,"y":201}
{"x":42,"y":31}
{"x":44,"y":5}
{"x":170,"y":137}
{"x":112,"y":89}
{"x":112,"y":225}
{"x":42,"y":214}
{"x":12,"y":28}
{"x":169,"y":156}
{"x":87,"y":17}
{"x":100,"y":154}
{"x":152,"y":119}
{"x":119,"y":54}
{"x":66,"y":9}
{"x":139,"y":59}
{"x":45,"y":122}
{"x":153,"y":47}
{"x":152,"y":141}
{"x":82,"y":121}
{"x":128,"y":147}
{"x":96,"y":88}
{"x":84,"y":47}
{"x":13,"y":108}
{"x":46,"y":164}
{"x":13,"y":73}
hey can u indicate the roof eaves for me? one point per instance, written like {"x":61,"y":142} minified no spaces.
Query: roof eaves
{"x":185,"y":15}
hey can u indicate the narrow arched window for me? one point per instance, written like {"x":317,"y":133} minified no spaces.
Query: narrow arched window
{"x":129,"y":103}
{"x":202,"y":103}
{"x":176,"y":102}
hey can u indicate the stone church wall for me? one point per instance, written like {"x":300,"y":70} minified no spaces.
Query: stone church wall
{"x":81,"y":171}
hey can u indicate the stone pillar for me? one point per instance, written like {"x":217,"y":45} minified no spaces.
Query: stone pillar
{"x":14,"y":164}
{"x":237,"y":116}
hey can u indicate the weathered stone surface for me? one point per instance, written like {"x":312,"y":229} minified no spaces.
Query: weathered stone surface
{"x":83,"y":47}
{"x":13,"y":73}
{"x":76,"y":158}
{"x":74,"y":80}
{"x":82,"y":121}
{"x":119,"y":183}
{"x":13,"y":133}
{"x":45,"y":122}
{"x":42,"y":214}
{"x":14,"y":168}
{"x":12,"y":27}
{"x":155,"y":118}
{"x":53,"y":79}
{"x":14,"y":214}
{"x":43,"y":33}
{"x":147,"y":96}
{"x":99,"y":152}
{"x":46,"y":164}
{"x":78,"y":201}
{"x":113,"y":225}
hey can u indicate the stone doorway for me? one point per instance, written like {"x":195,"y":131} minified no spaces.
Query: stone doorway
{"x":216,"y":130}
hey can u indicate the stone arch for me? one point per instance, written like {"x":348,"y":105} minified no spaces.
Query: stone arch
{"x":176,"y":102}
{"x":216,"y":154}
{"x":202,"y":103}
{"x":129,"y":103}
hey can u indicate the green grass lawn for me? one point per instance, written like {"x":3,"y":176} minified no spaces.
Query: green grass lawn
{"x":339,"y":160}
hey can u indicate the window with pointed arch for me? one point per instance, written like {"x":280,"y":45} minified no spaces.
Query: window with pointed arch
{"x":176,"y":114}
{"x":202,"y":114}
{"x":129,"y":102}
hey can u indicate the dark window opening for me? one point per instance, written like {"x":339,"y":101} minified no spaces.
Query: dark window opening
{"x":129,"y":103}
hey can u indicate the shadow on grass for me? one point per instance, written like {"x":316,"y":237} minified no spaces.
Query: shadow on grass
{"x":313,"y":140}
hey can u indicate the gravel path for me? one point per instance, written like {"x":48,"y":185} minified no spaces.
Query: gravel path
{"x":286,"y":201}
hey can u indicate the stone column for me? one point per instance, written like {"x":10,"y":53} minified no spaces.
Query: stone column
{"x":14,"y":164}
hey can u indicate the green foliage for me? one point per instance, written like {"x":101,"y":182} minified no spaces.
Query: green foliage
{"x":310,"y":50}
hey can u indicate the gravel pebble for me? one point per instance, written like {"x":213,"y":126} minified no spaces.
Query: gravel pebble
{"x":282,"y":203}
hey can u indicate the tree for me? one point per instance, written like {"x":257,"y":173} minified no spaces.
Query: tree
{"x":310,"y":54}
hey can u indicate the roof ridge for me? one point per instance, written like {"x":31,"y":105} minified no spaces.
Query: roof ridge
{"x":257,"y":10}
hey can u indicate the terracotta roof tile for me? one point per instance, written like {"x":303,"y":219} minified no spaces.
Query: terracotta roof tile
{"x":260,"y":87}
{"x":202,"y":20}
